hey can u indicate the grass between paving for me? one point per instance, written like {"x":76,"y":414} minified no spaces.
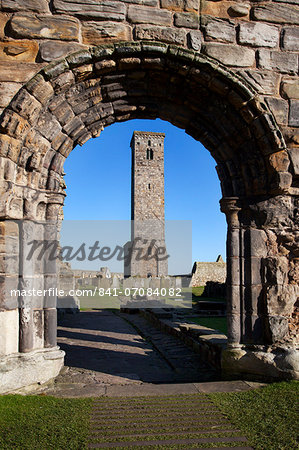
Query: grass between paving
{"x":38,"y":422}
{"x":268,"y":416}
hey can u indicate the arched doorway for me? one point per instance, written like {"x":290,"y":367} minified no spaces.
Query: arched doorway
{"x":71,"y":101}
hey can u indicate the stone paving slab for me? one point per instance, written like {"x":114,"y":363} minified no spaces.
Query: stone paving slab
{"x":184,"y":421}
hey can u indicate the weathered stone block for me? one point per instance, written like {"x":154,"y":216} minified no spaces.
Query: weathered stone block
{"x":291,"y":136}
{"x":55,"y":69}
{"x":103,"y":10}
{"x":74,"y":127}
{"x":51,"y":50}
{"x":279,"y":161}
{"x":239,"y":10}
{"x":279,"y":108}
{"x":144,"y":14}
{"x":258,"y":239}
{"x":45,"y":27}
{"x":34,"y":140}
{"x":294,"y":113}
{"x":63,"y":82}
{"x":9,"y":338}
{"x":165,"y":34}
{"x":48,"y":126}
{"x":220,"y":30}
{"x":125,"y":63}
{"x":220,"y":9}
{"x":173,"y":5}
{"x":276,"y":13}
{"x":41,"y":89}
{"x":18,"y":50}
{"x":278,"y":328}
{"x":275,"y":270}
{"x":64,"y":113}
{"x":79,"y":58}
{"x":7,"y":92}
{"x":3,"y":21}
{"x":290,"y":88}
{"x":231,"y":55}
{"x":66,"y":147}
{"x":13,"y":124}
{"x":279,"y":61}
{"x":290,"y":39}
{"x":195,"y":39}
{"x":294,"y":157}
{"x":26,"y":105}
{"x":18,"y":72}
{"x":265,"y":82}
{"x":9,"y":147}
{"x":38,"y":6}
{"x":105,"y":66}
{"x":180,"y":5}
{"x":83,"y":72}
{"x":258,"y":34}
{"x":143,"y":2}
{"x":99,"y":32}
{"x":281,"y":299}
{"x":128,"y":48}
{"x":186,"y":20}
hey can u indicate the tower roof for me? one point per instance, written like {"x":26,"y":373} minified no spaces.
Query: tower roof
{"x":148,"y":133}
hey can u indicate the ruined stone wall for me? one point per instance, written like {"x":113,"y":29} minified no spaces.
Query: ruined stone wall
{"x":203,"y":272}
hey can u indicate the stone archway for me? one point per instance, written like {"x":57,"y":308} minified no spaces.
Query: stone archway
{"x":71,"y":101}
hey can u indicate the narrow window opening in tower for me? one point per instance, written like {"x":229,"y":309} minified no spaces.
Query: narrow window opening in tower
{"x":149,"y":154}
{"x":149,"y":186}
{"x":149,"y":143}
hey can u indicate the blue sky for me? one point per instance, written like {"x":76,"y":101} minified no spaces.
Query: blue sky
{"x":98,"y":179}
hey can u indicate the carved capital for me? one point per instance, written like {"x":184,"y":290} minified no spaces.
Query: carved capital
{"x":230,"y":207}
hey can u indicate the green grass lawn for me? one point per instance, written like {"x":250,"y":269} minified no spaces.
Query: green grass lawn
{"x":268,"y":416}
{"x":217,"y":323}
{"x":39,"y":422}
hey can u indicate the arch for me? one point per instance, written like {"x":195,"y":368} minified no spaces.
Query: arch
{"x":74,"y":99}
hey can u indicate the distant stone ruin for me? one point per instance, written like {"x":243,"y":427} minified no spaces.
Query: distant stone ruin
{"x":204,"y":272}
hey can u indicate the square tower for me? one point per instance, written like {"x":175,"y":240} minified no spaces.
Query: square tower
{"x":147,"y":205}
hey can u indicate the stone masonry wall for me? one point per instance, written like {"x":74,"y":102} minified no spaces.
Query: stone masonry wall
{"x":203,"y":272}
{"x":259,"y":39}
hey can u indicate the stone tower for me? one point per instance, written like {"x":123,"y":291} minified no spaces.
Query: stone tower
{"x":147,"y":205}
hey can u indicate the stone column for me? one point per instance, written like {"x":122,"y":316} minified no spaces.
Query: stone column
{"x":51,"y":235}
{"x":231,"y":209}
{"x":50,"y":324}
{"x":26,"y":329}
{"x":26,"y":275}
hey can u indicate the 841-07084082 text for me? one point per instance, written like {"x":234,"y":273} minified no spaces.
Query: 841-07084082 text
{"x":149,"y":292}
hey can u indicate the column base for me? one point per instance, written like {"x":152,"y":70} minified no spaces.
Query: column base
{"x":25,"y":369}
{"x":261,"y":364}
